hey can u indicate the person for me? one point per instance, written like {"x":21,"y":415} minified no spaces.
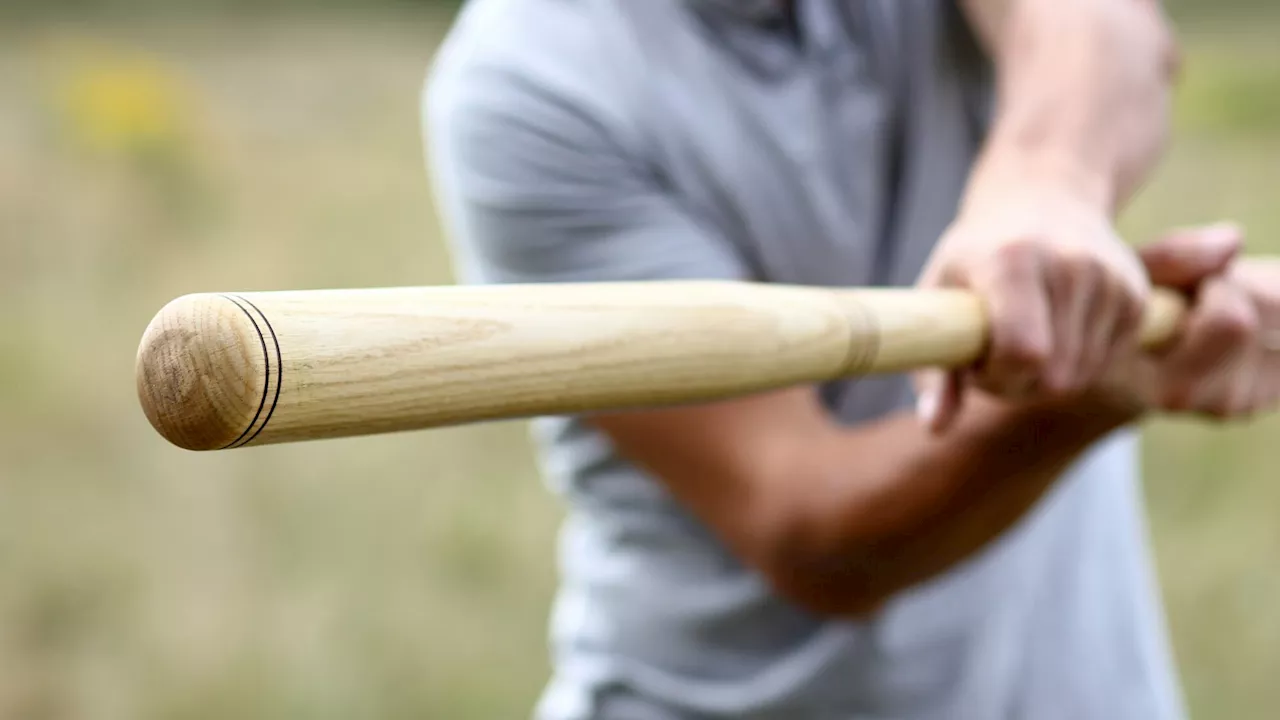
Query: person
{"x":956,"y":545}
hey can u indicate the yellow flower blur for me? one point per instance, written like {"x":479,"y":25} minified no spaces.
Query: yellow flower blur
{"x":121,"y":100}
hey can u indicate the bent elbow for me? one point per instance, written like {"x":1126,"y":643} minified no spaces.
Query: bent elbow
{"x":822,"y":576}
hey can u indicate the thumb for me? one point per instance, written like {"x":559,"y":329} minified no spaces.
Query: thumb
{"x":1185,"y":258}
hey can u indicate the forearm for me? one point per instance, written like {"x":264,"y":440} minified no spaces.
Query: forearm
{"x":1081,"y":91}
{"x":920,"y":503}
{"x":841,"y":518}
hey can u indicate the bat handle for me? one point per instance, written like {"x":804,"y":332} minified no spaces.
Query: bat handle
{"x":903,"y":330}
{"x":1166,"y":309}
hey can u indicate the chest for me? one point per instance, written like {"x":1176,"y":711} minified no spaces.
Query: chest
{"x":790,"y":151}
{"x":832,"y":156}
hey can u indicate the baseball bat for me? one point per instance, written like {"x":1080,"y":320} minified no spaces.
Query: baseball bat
{"x":228,"y":370}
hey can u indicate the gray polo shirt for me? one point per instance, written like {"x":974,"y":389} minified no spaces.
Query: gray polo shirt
{"x":576,"y":140}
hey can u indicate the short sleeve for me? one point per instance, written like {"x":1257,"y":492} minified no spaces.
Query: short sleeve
{"x":537,"y":184}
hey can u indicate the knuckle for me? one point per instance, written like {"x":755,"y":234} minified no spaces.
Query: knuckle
{"x":1019,"y":254}
{"x":1064,"y":390}
{"x":1078,"y":264}
{"x":1022,"y":351}
{"x":1234,"y":325}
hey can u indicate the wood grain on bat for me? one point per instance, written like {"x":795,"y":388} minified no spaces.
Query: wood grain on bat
{"x":220,"y":371}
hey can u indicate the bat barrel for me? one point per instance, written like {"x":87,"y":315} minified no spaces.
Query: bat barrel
{"x":208,"y":371}
{"x":218,"y":371}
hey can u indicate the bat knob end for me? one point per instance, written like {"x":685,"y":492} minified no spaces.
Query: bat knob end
{"x":203,"y":372}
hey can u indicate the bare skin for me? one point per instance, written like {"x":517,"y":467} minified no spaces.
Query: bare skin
{"x":1081,"y":118}
{"x":841,"y":518}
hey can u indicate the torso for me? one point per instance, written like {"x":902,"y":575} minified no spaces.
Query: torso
{"x":832,"y":155}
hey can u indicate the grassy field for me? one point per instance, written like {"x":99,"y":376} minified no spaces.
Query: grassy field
{"x":403,"y":576}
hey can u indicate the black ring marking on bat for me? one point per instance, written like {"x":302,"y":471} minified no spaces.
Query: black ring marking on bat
{"x":279,"y":372}
{"x":266,"y":382}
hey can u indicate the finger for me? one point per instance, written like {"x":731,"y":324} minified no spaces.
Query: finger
{"x":939,"y":401}
{"x":1018,"y":311}
{"x":1243,"y":397}
{"x":1220,"y":329}
{"x":1116,"y":326}
{"x":1184,"y":258}
{"x":1221,"y":395}
{"x":1265,"y":377}
{"x":929,"y":384}
{"x":1260,"y":278}
{"x":1071,"y":297}
{"x":1111,"y":325}
{"x":1220,"y":391}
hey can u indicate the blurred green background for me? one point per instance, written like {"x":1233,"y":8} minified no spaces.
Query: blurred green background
{"x":150,"y":149}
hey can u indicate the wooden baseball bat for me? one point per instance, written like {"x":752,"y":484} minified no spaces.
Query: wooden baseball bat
{"x":227,"y":370}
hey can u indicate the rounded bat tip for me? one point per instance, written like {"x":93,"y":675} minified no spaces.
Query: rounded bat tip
{"x":202,"y":372}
